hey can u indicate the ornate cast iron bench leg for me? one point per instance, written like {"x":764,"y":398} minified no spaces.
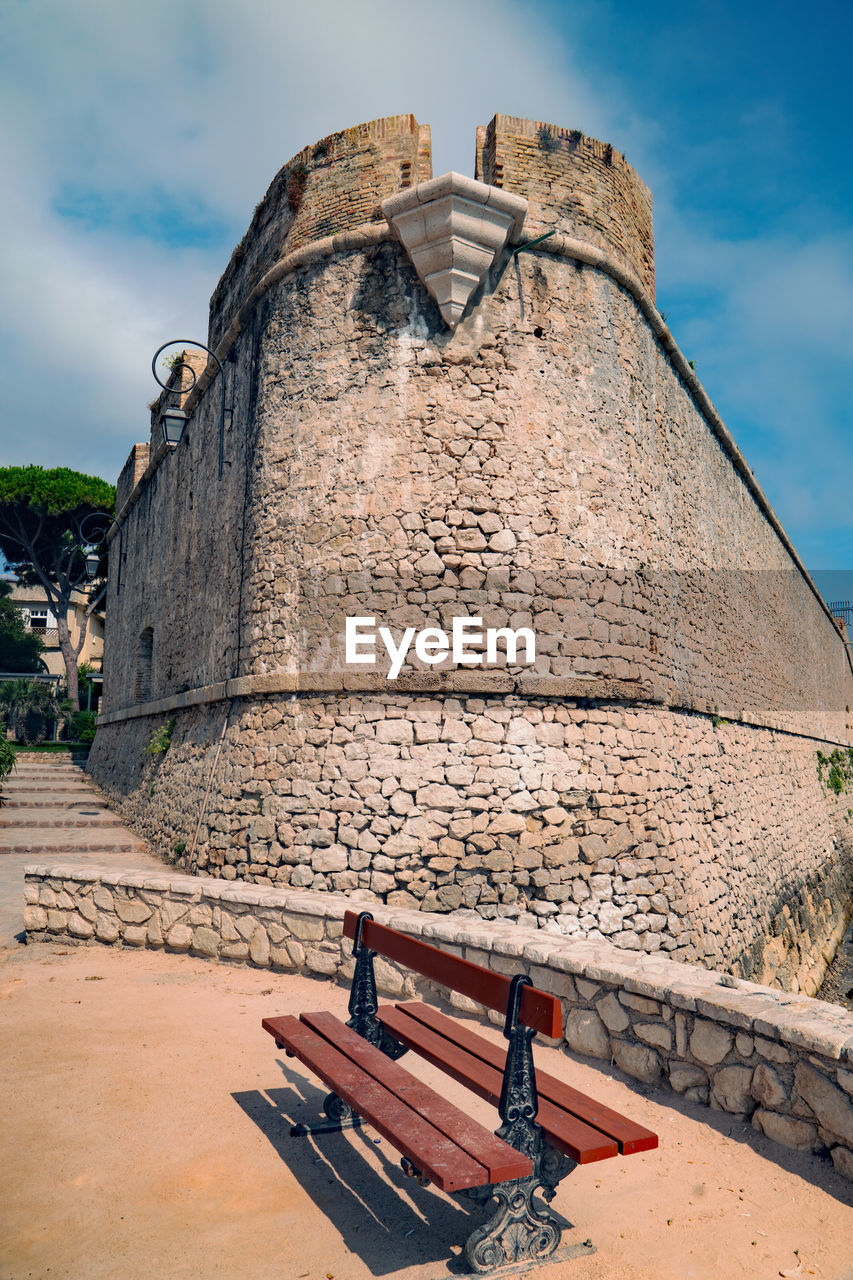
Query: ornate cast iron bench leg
{"x":519,"y":1230}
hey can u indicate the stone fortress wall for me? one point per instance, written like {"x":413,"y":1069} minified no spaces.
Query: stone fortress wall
{"x":551,"y":462}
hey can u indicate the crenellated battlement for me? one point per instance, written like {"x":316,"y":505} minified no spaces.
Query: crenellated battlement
{"x":574,"y":184}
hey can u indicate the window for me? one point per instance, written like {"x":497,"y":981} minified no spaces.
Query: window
{"x":144,"y":656}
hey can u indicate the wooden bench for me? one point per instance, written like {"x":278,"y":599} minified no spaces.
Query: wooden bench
{"x":547,"y":1127}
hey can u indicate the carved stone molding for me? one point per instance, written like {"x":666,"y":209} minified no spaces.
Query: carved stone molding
{"x":453,"y":228}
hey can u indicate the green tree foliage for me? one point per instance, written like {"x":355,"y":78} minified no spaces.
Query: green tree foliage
{"x":8,"y":762}
{"x":30,"y":708}
{"x":47,"y":518}
{"x":19,"y":647}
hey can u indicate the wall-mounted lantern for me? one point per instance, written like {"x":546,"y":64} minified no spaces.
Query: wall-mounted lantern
{"x":173,"y":422}
{"x":93,"y":564}
{"x":174,"y":419}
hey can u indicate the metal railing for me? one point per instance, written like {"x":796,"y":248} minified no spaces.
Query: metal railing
{"x":843,"y":609}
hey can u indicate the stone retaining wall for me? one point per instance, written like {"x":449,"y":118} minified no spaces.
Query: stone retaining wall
{"x":786,"y":1061}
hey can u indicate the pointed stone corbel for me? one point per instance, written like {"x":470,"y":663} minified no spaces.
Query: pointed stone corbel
{"x":453,"y":228}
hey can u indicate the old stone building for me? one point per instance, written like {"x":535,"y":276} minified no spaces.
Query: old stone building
{"x":455,"y":398}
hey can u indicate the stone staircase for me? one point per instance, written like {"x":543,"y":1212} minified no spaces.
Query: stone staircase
{"x":51,"y":808}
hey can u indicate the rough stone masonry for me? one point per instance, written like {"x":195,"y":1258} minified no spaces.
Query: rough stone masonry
{"x":551,"y":462}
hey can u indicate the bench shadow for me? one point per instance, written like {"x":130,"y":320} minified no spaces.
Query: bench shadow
{"x":387,"y":1219}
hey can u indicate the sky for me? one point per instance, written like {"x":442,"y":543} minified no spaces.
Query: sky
{"x":136,"y":140}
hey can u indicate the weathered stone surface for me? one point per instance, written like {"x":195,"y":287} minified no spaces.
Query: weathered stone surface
{"x":767,"y":1088}
{"x":78,"y":927}
{"x":842,"y":1158}
{"x":234,"y":951}
{"x":56,"y":921}
{"x":205,"y":941}
{"x":259,"y":948}
{"x":132,"y":911}
{"x":771,"y":1050}
{"x":106,"y":929}
{"x":179,"y":938}
{"x":685,"y":1075}
{"x":654,"y":1033}
{"x":586,"y":1033}
{"x":731,"y":1090}
{"x":786,"y":1130}
{"x":634,"y":1060}
{"x":641,"y":1004}
{"x":35,"y":918}
{"x":832,"y":1107}
{"x":612,"y":1013}
{"x":709,"y":1042}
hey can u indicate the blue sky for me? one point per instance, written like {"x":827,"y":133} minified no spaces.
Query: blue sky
{"x":137,"y":139}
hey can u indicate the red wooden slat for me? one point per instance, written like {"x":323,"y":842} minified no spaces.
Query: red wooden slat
{"x":537,"y":1009}
{"x":631,"y":1137}
{"x":578,"y":1140}
{"x":430,"y":1151}
{"x":500,"y":1160}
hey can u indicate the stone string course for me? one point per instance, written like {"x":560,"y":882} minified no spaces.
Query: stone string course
{"x":784,"y":1061}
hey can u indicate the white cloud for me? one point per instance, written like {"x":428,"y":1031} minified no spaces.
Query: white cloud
{"x":202,"y":104}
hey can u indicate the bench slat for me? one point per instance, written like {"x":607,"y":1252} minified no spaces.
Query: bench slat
{"x":631,"y":1137}
{"x":500,"y":1160}
{"x":537,"y":1009}
{"x":430,"y":1151}
{"x":580,"y":1141}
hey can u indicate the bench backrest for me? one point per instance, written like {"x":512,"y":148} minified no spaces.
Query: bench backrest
{"x":537,"y":1009}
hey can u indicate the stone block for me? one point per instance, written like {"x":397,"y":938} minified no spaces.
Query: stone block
{"x":87,"y":909}
{"x":771,"y":1050}
{"x":205,"y":942}
{"x":234,"y":951}
{"x":744,"y":1044}
{"x":259,"y":948}
{"x":767,"y":1088}
{"x":612,"y":1014}
{"x":179,"y":938}
{"x":831,"y":1106}
{"x":80,"y":928}
{"x":306,"y":928}
{"x":132,"y":910}
{"x":635,"y":1060}
{"x":654,"y":1033}
{"x":640,"y":1004}
{"x":710,"y":1043}
{"x":171,"y":913}
{"x":686,"y":1075}
{"x":135,"y":935}
{"x":106,"y":929}
{"x":35,"y":919}
{"x":842,"y":1158}
{"x":56,"y":921}
{"x":731,"y":1090}
{"x":317,"y":961}
{"x":586,"y":1033}
{"x":786,"y":1130}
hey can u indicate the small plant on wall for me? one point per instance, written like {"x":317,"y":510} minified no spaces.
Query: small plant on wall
{"x":835,"y":770}
{"x":161,"y":739}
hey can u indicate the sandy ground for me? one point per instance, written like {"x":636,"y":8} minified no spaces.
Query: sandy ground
{"x":146,"y":1134}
